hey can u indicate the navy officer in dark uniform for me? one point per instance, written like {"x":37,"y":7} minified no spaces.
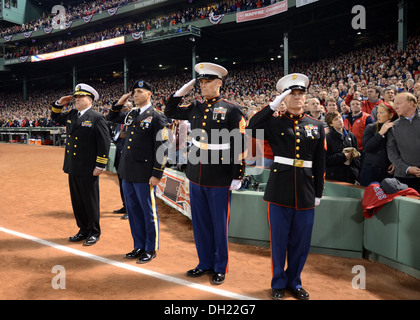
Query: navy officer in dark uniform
{"x":295,"y":184}
{"x":215,"y":165}
{"x":141,"y":167}
{"x":85,"y":158}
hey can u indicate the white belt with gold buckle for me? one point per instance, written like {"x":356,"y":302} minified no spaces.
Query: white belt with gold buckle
{"x":293,"y":162}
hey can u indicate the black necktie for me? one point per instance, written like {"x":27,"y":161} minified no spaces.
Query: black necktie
{"x":79,"y":114}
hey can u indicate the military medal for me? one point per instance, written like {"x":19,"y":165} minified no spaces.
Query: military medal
{"x":308,"y":129}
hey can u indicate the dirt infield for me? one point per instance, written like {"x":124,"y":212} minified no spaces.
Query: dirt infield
{"x":35,"y":202}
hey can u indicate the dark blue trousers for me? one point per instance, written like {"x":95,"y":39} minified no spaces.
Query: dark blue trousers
{"x":290,"y":233}
{"x":210,"y":208}
{"x":140,"y":200}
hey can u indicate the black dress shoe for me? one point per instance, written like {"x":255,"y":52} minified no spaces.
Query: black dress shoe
{"x":90,"y":241}
{"x":122,"y":210}
{"x":194,"y":273}
{"x":299,"y":293}
{"x":134,"y":254}
{"x":78,"y":237}
{"x":124,"y":216}
{"x":146,"y":257}
{"x":218,"y":278}
{"x":277,"y":294}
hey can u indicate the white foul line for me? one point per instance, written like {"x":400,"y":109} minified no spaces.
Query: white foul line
{"x":114,"y":263}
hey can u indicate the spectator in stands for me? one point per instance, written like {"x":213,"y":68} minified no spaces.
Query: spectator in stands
{"x":322,"y":97}
{"x":315,"y":111}
{"x":376,"y":165}
{"x":374,"y":99}
{"x":364,"y":93}
{"x":403,"y":140}
{"x":331,"y":104}
{"x":388,"y":95}
{"x":345,"y":109}
{"x":336,"y":95}
{"x":340,"y":165}
{"x":357,"y":121}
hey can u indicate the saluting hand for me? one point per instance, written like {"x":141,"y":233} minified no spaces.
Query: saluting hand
{"x":65,"y":100}
{"x":124,"y":98}
{"x":185,"y":89}
{"x":277,"y":101}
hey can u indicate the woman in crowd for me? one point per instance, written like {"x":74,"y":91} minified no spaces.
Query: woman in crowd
{"x":376,"y":165}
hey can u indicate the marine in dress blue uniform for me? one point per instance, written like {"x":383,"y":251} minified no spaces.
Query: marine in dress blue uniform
{"x":85,"y":158}
{"x":141,"y":167}
{"x":214,"y":166}
{"x":295,"y":184}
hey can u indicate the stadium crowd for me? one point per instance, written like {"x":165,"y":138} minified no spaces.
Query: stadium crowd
{"x":181,"y":17}
{"x":370,"y":75}
{"x":189,"y":13}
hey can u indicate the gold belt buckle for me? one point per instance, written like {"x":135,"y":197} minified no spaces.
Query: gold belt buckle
{"x":298,"y":163}
{"x":204,"y":146}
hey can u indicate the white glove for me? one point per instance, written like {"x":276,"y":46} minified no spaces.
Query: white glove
{"x":276,"y":103}
{"x":236,"y":184}
{"x":185,"y":89}
{"x":317,"y":201}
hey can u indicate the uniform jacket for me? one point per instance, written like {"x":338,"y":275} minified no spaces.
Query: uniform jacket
{"x":335,"y":158}
{"x":87,"y":140}
{"x":144,"y":153}
{"x":294,"y":137}
{"x":214,"y":167}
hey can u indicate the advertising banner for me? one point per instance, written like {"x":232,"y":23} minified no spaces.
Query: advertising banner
{"x":81,"y":49}
{"x":261,"y":13}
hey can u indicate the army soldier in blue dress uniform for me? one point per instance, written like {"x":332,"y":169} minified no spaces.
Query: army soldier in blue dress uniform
{"x":85,"y":158}
{"x":295,"y":184}
{"x":141,"y":167}
{"x":215,"y":166}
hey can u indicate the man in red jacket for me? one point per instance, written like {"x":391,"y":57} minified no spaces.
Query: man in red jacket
{"x":374,"y":98}
{"x":357,"y":121}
